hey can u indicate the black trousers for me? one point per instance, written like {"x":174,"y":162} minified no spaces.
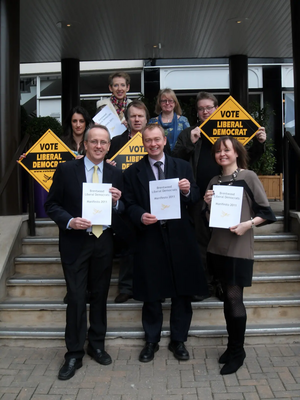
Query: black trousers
{"x":180,"y":319}
{"x":94,"y":265}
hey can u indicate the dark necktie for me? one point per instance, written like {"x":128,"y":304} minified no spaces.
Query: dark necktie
{"x":161,"y":174}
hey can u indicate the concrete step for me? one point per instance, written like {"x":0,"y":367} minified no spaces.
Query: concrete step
{"x":254,"y":334}
{"x":46,"y":227}
{"x":275,"y":242}
{"x":266,"y":284}
{"x":264,"y":261}
{"x":40,"y":245}
{"x":45,"y":265}
{"x":276,"y":227}
{"x":274,"y":261}
{"x":44,"y":288}
{"x":38,"y":313}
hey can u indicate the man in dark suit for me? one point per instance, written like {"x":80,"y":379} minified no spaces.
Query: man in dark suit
{"x":83,"y":253}
{"x":167,"y":261}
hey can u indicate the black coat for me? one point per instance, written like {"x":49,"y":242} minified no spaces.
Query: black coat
{"x":64,"y":202}
{"x":163,"y":268}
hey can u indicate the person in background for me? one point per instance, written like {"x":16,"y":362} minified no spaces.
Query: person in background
{"x":169,"y":115}
{"x":230,"y":251}
{"x":191,"y":146}
{"x":167,"y":258}
{"x":136,"y":116}
{"x":74,"y":127}
{"x":119,"y":85}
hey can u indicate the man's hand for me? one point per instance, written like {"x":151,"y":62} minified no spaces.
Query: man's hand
{"x":148,"y":219}
{"x":115,"y":195}
{"x":261,"y":135}
{"x":80,"y":223}
{"x":195,"y":134}
{"x":113,"y":163}
{"x":184,"y":186}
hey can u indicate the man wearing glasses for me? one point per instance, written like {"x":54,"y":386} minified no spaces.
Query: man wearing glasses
{"x":192,"y":147}
{"x":86,"y":250}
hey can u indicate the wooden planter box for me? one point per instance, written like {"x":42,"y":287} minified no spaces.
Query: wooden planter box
{"x":272,"y":185}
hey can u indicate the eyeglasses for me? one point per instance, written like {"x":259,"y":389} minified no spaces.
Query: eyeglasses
{"x":167,"y":101}
{"x":97,"y":142}
{"x":202,"y":109}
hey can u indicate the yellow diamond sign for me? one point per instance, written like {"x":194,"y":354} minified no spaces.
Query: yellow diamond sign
{"x":230,"y":118}
{"x":44,"y":156}
{"x":129,"y":154}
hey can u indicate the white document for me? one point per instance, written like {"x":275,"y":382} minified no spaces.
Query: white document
{"x":165,"y":199}
{"x":107,"y":118}
{"x":226,"y":206}
{"x":97,"y":203}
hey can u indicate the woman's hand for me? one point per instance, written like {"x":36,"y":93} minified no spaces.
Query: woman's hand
{"x":208,"y":196}
{"x":241,"y":228}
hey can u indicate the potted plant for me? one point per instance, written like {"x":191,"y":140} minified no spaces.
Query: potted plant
{"x":265,"y":166}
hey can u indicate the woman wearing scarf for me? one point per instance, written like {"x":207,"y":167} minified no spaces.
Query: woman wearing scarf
{"x":119,"y":84}
{"x":169,"y":115}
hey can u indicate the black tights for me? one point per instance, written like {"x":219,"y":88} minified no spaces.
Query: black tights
{"x":233,"y":301}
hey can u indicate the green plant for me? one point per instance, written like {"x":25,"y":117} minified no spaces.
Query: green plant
{"x":266,"y":164}
{"x":39,"y":125}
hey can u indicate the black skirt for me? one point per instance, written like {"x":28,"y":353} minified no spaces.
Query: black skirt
{"x":231,"y":270}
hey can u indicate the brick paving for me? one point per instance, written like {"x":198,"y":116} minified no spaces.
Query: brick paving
{"x":270,"y":371}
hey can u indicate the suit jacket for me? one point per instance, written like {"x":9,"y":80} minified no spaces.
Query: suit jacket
{"x":167,"y":260}
{"x":64,"y":202}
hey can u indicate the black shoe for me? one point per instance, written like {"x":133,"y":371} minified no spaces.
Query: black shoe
{"x":200,"y":298}
{"x":68,"y":369}
{"x":225,"y":357}
{"x":179,"y":350}
{"x":122,"y":297}
{"x":147,"y":354}
{"x":100,"y":356}
{"x":234,"y":363}
{"x":219,"y":292}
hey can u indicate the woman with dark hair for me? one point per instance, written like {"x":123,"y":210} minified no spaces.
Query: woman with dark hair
{"x":230,"y":251}
{"x":169,"y":115}
{"x":74,"y":128}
